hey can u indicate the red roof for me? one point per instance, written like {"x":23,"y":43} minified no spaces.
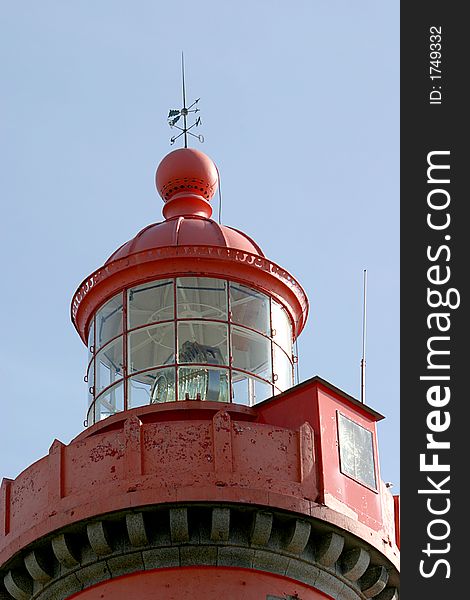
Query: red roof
{"x":187,"y":242}
{"x":186,"y":231}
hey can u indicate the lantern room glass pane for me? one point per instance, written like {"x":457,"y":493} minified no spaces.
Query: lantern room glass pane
{"x":249,"y":390}
{"x":202,"y":342}
{"x":109,"y":365}
{"x":152,"y":387}
{"x":109,"y":321}
{"x":282,"y":329}
{"x":110,"y":402}
{"x":201,"y":298}
{"x":151,"y":303}
{"x":251,"y":352}
{"x":283,"y":372}
{"x":250,"y":308}
{"x":151,"y":347}
{"x":91,"y":335}
{"x":203,"y":383}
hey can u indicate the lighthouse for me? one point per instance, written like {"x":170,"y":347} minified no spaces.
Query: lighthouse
{"x":202,"y":471}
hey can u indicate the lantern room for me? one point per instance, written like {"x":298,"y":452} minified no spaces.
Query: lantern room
{"x":189,"y":309}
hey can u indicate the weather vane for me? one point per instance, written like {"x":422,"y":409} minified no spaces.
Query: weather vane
{"x":175,"y":115}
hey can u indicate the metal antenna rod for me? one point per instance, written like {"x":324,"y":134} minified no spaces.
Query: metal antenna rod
{"x":175,"y":114}
{"x":364,"y":329}
{"x":184,"y":110}
{"x":220,"y":195}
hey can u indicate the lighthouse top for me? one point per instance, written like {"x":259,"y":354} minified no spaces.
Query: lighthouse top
{"x":188,"y":309}
{"x":188,"y":241}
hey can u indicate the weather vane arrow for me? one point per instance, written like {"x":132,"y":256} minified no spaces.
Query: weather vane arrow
{"x":176,"y":114}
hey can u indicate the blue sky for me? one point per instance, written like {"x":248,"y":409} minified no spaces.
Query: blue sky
{"x":300,"y":111}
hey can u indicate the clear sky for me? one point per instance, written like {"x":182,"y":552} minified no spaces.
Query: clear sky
{"x":300,"y":111}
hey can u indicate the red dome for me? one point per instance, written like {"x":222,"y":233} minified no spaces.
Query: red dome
{"x":186,"y":179}
{"x":188,"y":241}
{"x":186,"y":231}
{"x":186,"y":170}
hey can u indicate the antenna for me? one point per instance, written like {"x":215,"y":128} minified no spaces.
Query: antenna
{"x":364,"y":329}
{"x":184,"y":110}
{"x":175,"y":115}
{"x":220,"y":195}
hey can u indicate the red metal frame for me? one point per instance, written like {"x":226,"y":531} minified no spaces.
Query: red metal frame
{"x":374,"y":454}
{"x":179,"y":261}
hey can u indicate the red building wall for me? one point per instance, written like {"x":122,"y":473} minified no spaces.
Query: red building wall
{"x":210,"y":583}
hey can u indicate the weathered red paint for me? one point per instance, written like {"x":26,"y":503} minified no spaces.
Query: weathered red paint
{"x":396,"y":501}
{"x":210,"y":583}
{"x":281,"y":453}
{"x":337,"y":490}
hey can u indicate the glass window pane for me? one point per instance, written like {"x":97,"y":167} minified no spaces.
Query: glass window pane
{"x":282,"y":329}
{"x":249,"y":390}
{"x":356,"y":451}
{"x":109,"y":365}
{"x":150,"y":303}
{"x":151,"y":347}
{"x":109,"y":403}
{"x":251,"y":352}
{"x":109,"y":321}
{"x":202,"y":342}
{"x":250,"y":308}
{"x":152,"y":387}
{"x":203,"y":383}
{"x":201,"y":298}
{"x":91,"y":335}
{"x":282,"y":369}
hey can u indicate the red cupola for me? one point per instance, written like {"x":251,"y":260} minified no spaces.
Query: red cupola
{"x":188,"y":308}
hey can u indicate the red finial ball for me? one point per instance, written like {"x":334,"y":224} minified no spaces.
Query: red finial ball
{"x":186,"y":170}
